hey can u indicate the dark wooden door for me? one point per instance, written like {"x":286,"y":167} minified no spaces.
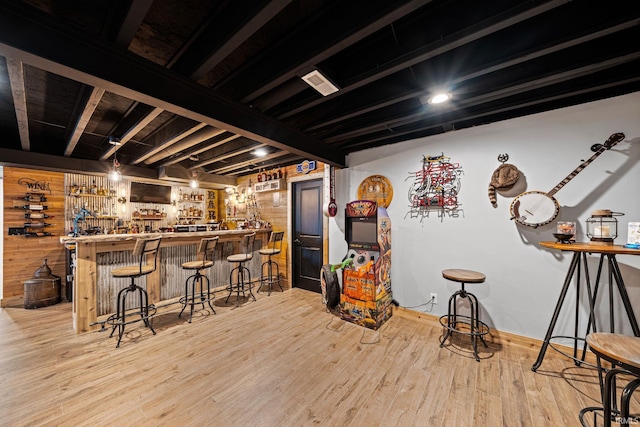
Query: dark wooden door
{"x":307,"y":234}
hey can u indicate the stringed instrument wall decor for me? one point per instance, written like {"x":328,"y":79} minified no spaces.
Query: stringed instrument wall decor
{"x":536,"y":208}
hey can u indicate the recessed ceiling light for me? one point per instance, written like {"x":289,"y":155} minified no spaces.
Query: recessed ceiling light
{"x":439,"y":98}
{"x":260,"y":152}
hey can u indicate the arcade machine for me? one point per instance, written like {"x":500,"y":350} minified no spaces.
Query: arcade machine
{"x":366,"y":297}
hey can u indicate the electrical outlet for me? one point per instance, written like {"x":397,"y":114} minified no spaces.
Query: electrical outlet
{"x":434,"y":298}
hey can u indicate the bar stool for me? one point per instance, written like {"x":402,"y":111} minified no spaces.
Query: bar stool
{"x":274,"y":248}
{"x":452,"y":319}
{"x":241,"y":272}
{"x":623,"y":352}
{"x":145,"y":249}
{"x":206,"y":248}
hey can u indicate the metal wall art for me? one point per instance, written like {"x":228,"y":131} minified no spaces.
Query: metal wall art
{"x":435,"y":188}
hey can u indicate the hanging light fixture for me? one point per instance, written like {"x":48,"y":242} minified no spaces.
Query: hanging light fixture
{"x":114,"y":174}
{"x":194,"y":180}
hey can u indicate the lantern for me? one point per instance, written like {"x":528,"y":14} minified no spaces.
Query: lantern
{"x":602,"y":227}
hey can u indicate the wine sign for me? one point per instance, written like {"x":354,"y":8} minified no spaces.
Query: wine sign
{"x":34,"y":186}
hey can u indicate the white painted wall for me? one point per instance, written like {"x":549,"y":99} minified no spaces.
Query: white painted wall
{"x":523,"y":279}
{"x":4,"y":231}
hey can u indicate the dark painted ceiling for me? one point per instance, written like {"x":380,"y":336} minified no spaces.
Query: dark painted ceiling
{"x":197,"y":85}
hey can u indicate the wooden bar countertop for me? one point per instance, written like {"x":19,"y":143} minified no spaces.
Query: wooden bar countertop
{"x":87,"y":248}
{"x":188,"y":235}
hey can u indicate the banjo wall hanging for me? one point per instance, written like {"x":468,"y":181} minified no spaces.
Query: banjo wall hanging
{"x":536,"y":208}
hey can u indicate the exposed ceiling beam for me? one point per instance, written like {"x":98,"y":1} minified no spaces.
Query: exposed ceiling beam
{"x":227,"y":156}
{"x":173,"y":139}
{"x":65,"y":164}
{"x":16,"y":80}
{"x":83,"y":119}
{"x":131,"y":23}
{"x":132,"y":131}
{"x":320,"y":53}
{"x":489,"y":68}
{"x":237,"y":165}
{"x":134,"y":16}
{"x":195,"y":138}
{"x":184,"y":176}
{"x":200,"y":150}
{"x":464,"y":105}
{"x":475,"y":32}
{"x":65,"y":51}
{"x":240,"y":36}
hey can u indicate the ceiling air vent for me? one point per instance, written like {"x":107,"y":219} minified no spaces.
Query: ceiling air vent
{"x":320,"y":83}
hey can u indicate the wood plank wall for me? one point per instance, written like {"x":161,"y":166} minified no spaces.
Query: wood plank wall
{"x":275,"y":210}
{"x":24,"y":255}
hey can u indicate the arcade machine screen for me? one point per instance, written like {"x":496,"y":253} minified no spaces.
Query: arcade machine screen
{"x":363,"y":232}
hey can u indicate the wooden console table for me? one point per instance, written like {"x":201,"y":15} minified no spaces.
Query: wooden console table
{"x":580,"y":252}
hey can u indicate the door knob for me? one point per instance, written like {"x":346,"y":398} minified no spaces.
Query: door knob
{"x":297,"y":241}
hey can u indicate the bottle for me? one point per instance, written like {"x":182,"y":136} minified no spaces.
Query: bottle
{"x":259,"y":176}
{"x":35,"y":198}
{"x":36,"y":224}
{"x":32,"y":207}
{"x":94,"y":188}
{"x":35,"y":215}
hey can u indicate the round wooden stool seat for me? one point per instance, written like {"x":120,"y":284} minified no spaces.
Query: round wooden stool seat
{"x":621,"y":349}
{"x":623,"y":352}
{"x":463,"y":276}
{"x":196,"y":265}
{"x":469,"y":325}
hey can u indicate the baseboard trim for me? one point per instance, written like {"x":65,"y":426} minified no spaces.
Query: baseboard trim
{"x":500,"y":338}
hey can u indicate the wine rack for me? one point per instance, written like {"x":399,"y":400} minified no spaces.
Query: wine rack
{"x":35,"y":216}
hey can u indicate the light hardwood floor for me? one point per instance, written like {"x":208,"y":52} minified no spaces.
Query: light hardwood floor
{"x":280,"y":361}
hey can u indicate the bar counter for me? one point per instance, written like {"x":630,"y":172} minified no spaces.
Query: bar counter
{"x":94,"y":290}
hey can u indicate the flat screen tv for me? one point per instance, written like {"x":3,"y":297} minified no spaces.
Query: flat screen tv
{"x":150,"y":193}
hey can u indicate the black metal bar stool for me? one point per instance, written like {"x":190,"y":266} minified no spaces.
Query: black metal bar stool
{"x":241,"y":272}
{"x":147,"y":252}
{"x":274,"y":248}
{"x":623,"y":352}
{"x":452,"y":319}
{"x":196,"y":280}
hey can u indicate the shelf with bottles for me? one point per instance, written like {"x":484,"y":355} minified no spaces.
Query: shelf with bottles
{"x":190,"y":196}
{"x":267,"y":175}
{"x":108,"y":196}
{"x":94,"y":210}
{"x":190,"y":212}
{"x":92,"y":189}
{"x":148,"y":214}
